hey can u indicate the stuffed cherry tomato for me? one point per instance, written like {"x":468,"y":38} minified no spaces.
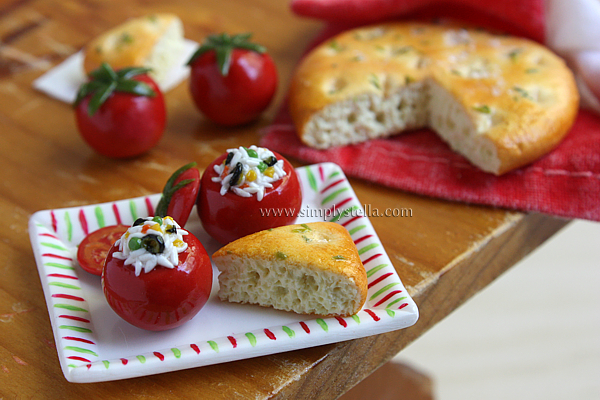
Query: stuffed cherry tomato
{"x":247,"y":190}
{"x":157,"y":276}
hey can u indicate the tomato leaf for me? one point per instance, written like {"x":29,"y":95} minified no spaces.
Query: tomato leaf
{"x":135,"y":87}
{"x":169,"y":189}
{"x":223,"y":45}
{"x":100,"y":97}
{"x":104,"y":81}
{"x":223,"y":59}
{"x":130,"y":72}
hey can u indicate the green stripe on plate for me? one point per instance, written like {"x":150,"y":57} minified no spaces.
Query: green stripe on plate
{"x":53,"y":246}
{"x":69,"y":225}
{"x":356,"y":229}
{"x":99,"y":217}
{"x":81,"y":350}
{"x":396,"y":301}
{"x":375,"y":269}
{"x":213,"y":345}
{"x":367,"y":248}
{"x":176,"y":352}
{"x":75,"y":328}
{"x":344,"y":213}
{"x":251,"y":339}
{"x":312,"y":181}
{"x":133,"y":209}
{"x":323,"y":324}
{"x":64,"y":285}
{"x":57,"y":265}
{"x":384,"y":289}
{"x":290,"y":332}
{"x":333,"y":195}
{"x":70,"y":307}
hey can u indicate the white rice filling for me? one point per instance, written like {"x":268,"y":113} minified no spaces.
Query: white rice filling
{"x":142,"y":259}
{"x":254,"y":177}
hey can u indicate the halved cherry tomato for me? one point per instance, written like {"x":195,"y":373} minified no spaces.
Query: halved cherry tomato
{"x":163,"y":298}
{"x":229,"y":217}
{"x":94,"y":248}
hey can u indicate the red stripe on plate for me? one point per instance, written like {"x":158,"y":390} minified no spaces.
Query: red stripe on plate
{"x":382,"y":277}
{"x":373,"y":315}
{"x":387,"y":297}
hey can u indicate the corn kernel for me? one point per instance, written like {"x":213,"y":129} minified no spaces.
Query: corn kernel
{"x":177,"y":243}
{"x":270,"y":172}
{"x":251,"y":175}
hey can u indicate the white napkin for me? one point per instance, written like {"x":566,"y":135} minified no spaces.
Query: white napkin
{"x":63,"y":81}
{"x":573,"y":32}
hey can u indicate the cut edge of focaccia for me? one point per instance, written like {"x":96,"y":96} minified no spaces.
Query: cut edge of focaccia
{"x":311,"y":268}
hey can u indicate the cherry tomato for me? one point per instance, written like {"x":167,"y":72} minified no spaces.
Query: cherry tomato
{"x":94,"y":248}
{"x":163,"y":298}
{"x":242,"y":92}
{"x":180,"y":193}
{"x":230,"y":217}
{"x":125,"y":124}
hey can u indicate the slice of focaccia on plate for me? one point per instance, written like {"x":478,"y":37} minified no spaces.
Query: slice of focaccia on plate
{"x":311,"y":268}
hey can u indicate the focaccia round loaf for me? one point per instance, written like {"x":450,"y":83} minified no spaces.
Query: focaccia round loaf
{"x":311,"y":268}
{"x":154,"y":41}
{"x":502,"y":102}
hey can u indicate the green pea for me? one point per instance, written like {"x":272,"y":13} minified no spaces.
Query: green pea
{"x":135,"y":243}
{"x":252,"y":153}
{"x":262,"y":167}
{"x":157,"y":219}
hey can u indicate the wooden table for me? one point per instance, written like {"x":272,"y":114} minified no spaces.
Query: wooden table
{"x":444,"y":254}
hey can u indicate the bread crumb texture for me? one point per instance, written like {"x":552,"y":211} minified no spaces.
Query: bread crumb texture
{"x":500,"y":101}
{"x":311,"y":268}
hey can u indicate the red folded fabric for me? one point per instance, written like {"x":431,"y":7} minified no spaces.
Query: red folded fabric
{"x":520,"y":17}
{"x":566,"y":182}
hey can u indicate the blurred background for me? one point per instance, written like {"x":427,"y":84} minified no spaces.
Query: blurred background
{"x":534,"y":333}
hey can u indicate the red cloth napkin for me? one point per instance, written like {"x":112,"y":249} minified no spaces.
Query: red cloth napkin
{"x":565,"y":182}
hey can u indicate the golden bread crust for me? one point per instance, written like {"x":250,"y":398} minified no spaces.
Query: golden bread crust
{"x":128,"y":44}
{"x":324,"y":247}
{"x":518,"y":96}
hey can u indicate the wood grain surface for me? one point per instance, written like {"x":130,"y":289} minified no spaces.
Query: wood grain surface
{"x":444,"y":253}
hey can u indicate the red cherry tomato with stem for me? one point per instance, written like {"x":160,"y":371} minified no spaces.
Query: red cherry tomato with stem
{"x":120,"y":114}
{"x":94,"y":248}
{"x":232,"y":81}
{"x":163,"y":298}
{"x":230,"y":217}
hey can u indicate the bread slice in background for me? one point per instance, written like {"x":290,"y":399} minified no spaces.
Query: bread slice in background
{"x":311,"y":268}
{"x":154,"y":41}
{"x":502,"y":102}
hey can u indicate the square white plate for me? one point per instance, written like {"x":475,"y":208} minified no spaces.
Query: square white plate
{"x":94,"y":344}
